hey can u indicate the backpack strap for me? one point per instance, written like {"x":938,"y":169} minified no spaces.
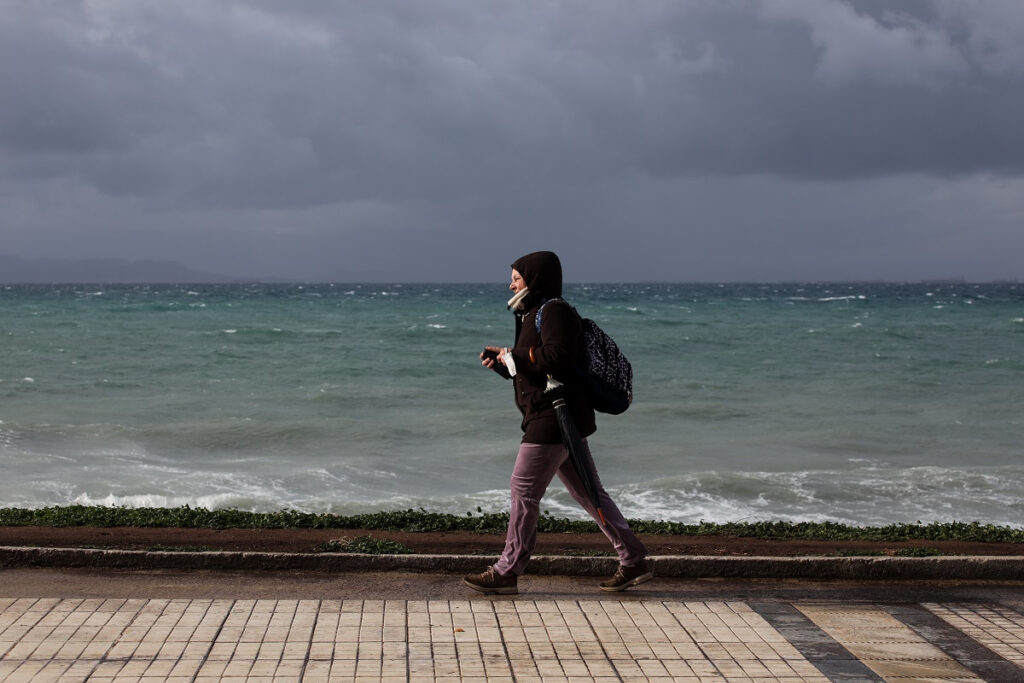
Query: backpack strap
{"x":540,"y":311}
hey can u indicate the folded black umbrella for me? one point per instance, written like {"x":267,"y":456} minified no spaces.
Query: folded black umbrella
{"x":574,"y":444}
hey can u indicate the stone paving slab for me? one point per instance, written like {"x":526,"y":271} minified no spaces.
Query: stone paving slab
{"x":633,"y":638}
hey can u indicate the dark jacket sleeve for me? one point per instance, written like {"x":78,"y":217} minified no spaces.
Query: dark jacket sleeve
{"x":555,"y":351}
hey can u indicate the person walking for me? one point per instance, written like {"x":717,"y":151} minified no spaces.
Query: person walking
{"x":555,"y":349}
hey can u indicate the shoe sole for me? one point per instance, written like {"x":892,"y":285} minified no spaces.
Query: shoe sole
{"x":509,"y":590}
{"x":643,"y":578}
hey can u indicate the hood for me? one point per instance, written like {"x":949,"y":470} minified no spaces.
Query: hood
{"x":542,"y":272}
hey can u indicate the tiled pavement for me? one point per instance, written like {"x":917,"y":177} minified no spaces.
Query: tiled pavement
{"x":518,"y":639}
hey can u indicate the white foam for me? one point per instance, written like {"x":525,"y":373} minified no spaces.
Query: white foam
{"x":874,"y":495}
{"x":325,"y":475}
{"x":209,"y":502}
{"x":867,"y":493}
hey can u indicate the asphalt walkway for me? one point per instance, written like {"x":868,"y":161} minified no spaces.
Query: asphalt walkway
{"x":171,"y":625}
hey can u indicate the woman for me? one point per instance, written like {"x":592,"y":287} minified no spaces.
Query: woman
{"x":554,"y":350}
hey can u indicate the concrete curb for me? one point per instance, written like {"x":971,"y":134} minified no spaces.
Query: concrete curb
{"x":977,"y":568}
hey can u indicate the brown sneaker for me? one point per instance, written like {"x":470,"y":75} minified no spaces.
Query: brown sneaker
{"x":491,"y":582}
{"x":628,"y":576}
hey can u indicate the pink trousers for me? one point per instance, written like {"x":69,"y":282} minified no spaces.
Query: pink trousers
{"x":536,"y":465}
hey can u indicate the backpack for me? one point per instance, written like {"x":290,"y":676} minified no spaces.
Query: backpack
{"x":606,"y":376}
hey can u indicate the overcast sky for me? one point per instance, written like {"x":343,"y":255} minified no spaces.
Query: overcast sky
{"x":677,"y":140}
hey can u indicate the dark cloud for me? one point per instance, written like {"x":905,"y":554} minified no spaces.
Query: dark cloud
{"x":710,"y":139}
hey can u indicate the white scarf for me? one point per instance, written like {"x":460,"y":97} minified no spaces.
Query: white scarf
{"x":516,"y":302}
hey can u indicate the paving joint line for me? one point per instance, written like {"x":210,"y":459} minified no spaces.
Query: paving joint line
{"x":604,"y":650}
{"x":504,"y":643}
{"x":216,"y":636}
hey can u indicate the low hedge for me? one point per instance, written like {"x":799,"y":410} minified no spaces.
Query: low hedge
{"x":424,"y":521}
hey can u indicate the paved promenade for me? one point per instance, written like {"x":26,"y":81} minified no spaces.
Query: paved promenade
{"x":109,"y":625}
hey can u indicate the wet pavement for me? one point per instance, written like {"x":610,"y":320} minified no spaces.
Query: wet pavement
{"x":118,"y":625}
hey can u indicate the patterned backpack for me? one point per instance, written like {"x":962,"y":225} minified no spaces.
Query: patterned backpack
{"x":606,"y":375}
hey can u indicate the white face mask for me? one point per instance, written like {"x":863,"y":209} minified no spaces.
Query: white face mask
{"x":516,"y":302}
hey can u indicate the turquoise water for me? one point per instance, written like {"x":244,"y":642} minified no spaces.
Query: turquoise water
{"x":862,"y":403}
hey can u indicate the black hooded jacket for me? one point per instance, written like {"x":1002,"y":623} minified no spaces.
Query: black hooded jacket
{"x":556,"y":350}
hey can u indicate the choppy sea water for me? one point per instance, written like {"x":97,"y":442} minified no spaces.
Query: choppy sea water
{"x":860,"y":403}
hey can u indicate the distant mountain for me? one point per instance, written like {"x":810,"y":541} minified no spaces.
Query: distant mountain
{"x":14,"y":269}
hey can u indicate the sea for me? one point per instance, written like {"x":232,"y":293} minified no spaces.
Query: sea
{"x":861,"y":403}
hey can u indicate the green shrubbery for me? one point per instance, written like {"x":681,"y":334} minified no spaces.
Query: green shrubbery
{"x":364,"y":544}
{"x":423,"y":521}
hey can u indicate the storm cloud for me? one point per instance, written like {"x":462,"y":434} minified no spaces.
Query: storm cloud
{"x":695,"y":140}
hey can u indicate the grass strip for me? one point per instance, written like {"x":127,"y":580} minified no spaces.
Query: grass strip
{"x":423,"y":521}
